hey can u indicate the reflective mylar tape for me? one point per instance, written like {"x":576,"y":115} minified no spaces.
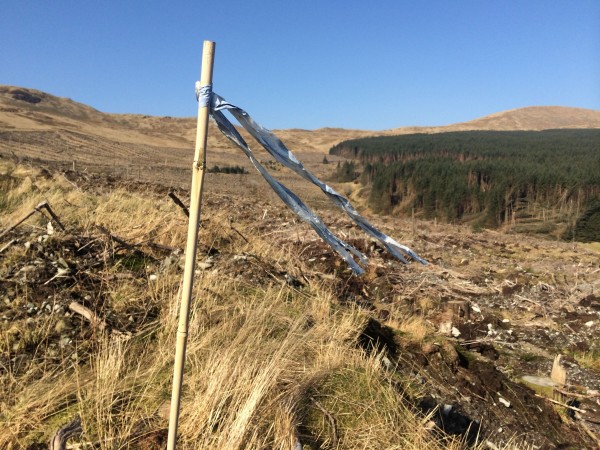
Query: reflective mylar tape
{"x":283,"y":155}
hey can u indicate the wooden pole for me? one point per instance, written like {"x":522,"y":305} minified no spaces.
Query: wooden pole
{"x":198,"y":169}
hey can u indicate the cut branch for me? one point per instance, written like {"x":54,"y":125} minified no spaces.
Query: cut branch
{"x":11,"y":242}
{"x":178,"y":202}
{"x":54,"y":216}
{"x":38,"y":208}
{"x":88,"y":314}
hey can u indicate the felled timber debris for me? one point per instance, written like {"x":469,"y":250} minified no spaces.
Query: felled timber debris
{"x":178,"y":202}
{"x":88,"y":314}
{"x":43,"y":205}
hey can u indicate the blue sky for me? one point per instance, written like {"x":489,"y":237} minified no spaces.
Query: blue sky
{"x":309,"y":63}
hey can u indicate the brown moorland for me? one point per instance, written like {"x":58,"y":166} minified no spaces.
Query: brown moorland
{"x":287,"y":349}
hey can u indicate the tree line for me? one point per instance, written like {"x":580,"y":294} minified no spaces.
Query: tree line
{"x":492,"y":176}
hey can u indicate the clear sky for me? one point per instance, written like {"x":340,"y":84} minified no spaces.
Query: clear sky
{"x":309,"y":63}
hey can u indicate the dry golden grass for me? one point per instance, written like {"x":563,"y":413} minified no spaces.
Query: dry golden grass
{"x":266,"y":363}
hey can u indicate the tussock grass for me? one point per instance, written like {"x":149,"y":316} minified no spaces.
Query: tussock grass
{"x":268,"y":365}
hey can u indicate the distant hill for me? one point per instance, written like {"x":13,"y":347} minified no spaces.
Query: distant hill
{"x":35,"y":124}
{"x":521,"y":119}
{"x":535,"y":118}
{"x":24,"y":109}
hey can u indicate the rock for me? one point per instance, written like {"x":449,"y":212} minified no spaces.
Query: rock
{"x":446,"y":409}
{"x":387,"y":362}
{"x":164,"y":410}
{"x":585,"y":289}
{"x":455,"y":332}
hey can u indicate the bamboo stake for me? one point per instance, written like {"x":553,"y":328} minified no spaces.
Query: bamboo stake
{"x":198,"y":169}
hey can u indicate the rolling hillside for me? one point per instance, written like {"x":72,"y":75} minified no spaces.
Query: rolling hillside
{"x":65,"y":134}
{"x":40,"y":125}
{"x":286,"y":347}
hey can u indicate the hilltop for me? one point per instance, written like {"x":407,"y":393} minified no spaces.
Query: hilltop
{"x":524,"y":119}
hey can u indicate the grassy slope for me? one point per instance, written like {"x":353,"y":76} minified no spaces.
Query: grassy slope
{"x":266,"y":362}
{"x":269,"y":361}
